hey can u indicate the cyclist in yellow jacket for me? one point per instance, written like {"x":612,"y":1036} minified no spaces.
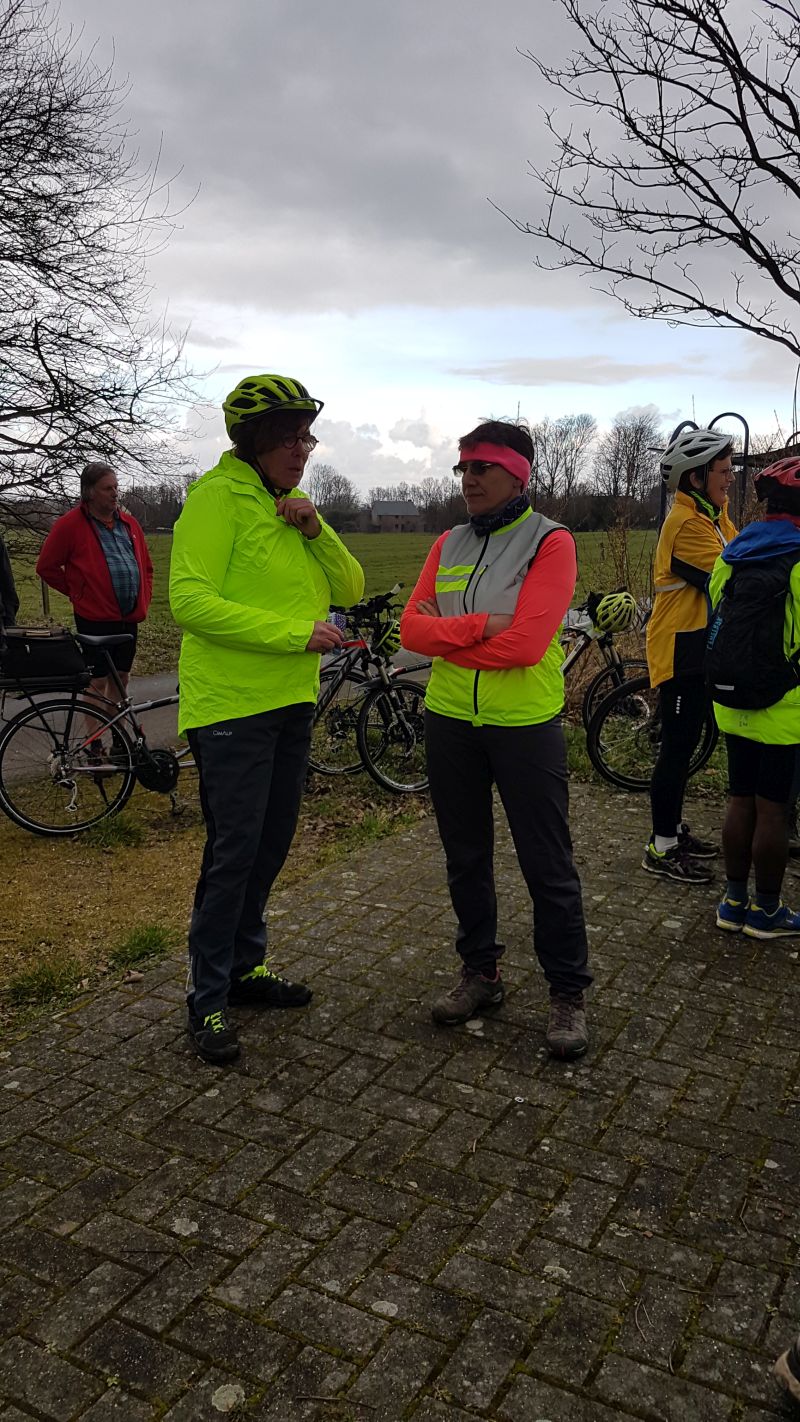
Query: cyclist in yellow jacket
{"x":697,"y":468}
{"x":254,"y":570}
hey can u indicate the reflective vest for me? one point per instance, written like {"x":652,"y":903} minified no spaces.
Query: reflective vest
{"x":484,"y":573}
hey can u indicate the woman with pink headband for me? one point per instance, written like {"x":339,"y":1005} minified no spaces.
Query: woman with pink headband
{"x":488,"y":608}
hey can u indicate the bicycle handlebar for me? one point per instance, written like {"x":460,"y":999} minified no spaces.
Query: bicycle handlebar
{"x":370,"y":607}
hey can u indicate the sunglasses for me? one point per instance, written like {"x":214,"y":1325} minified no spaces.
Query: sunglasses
{"x":472,"y":466}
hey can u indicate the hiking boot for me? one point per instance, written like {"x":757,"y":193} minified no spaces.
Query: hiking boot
{"x":731,"y":914}
{"x":675,"y":863}
{"x":567,"y":1036}
{"x":696,"y":848}
{"x":261,"y":988}
{"x":473,"y":993}
{"x":214,"y":1038}
{"x":783,"y":923}
{"x":787,"y":1370}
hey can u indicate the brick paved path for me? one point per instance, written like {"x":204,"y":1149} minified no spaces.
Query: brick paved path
{"x":409,"y":1221}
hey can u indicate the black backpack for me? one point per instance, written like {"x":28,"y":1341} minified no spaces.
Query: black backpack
{"x":746,"y":665}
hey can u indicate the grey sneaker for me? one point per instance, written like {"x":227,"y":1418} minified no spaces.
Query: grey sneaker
{"x":566,"y":1030}
{"x":473,"y":993}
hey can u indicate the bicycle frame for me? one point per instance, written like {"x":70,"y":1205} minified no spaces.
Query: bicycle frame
{"x":127,"y":710}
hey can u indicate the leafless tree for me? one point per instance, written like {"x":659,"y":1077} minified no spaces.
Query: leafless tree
{"x":84,"y":371}
{"x":675,"y":172}
{"x":561,"y":452}
{"x":440,"y":503}
{"x":155,"y":504}
{"x":400,"y":491}
{"x":626,"y":462}
{"x":333,"y":493}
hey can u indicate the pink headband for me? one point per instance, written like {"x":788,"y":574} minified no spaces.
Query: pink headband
{"x":508,"y":459}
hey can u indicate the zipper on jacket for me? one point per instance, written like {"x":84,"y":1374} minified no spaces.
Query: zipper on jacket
{"x":474,"y":571}
{"x":475,"y":694}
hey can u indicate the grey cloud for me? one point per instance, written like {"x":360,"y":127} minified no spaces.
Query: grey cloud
{"x":356,"y":451}
{"x":345,"y":154}
{"x":570,"y":370}
{"x":416,"y":432}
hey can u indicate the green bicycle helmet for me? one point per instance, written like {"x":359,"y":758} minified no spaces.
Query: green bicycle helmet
{"x":388,"y":639}
{"x":614,"y":611}
{"x":261,"y":394}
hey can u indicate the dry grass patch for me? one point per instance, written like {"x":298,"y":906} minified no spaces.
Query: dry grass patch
{"x":77,"y":909}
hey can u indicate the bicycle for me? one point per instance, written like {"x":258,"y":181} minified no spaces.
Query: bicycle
{"x":57,"y":775}
{"x":616,"y":669}
{"x":624,"y":736}
{"x":369,"y":713}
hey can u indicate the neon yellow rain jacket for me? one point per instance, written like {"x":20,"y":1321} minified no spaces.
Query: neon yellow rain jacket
{"x":247,"y":589}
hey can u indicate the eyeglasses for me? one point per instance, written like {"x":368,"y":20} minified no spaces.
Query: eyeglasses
{"x":308,"y":441}
{"x":472,"y":466}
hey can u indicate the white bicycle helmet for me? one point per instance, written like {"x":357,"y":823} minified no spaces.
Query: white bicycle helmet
{"x":694,"y":449}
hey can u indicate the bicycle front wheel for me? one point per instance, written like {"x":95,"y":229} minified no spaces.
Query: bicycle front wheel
{"x":53,"y":781}
{"x":624,"y":736}
{"x":334,"y":750}
{"x":606,"y":681}
{"x":391,"y":736}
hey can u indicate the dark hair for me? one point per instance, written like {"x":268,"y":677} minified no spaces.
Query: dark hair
{"x":91,"y":474}
{"x":685,"y":482}
{"x":508,"y":433}
{"x":267,"y":432}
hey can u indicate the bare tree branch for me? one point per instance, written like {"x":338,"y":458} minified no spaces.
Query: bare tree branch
{"x":682,"y":191}
{"x":84,"y":371}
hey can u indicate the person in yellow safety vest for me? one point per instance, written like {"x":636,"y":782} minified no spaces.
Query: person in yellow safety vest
{"x":697,"y":469}
{"x":488,"y":607}
{"x":254,"y":571}
{"x":753,"y":670}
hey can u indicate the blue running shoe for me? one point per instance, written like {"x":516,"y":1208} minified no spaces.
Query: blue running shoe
{"x":731,"y":914}
{"x":783,"y":923}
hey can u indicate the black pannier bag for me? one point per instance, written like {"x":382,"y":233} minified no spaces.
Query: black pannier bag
{"x":41,"y":659}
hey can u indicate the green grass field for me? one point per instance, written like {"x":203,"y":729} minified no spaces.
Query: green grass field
{"x":605,"y":561}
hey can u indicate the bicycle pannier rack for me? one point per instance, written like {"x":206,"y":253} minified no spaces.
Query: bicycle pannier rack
{"x":36,"y":659}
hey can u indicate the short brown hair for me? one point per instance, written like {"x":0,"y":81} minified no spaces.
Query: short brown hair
{"x":266,"y":432}
{"x":509,"y":433}
{"x":91,"y":474}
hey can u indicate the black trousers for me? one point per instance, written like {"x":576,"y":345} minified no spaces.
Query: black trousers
{"x":528,"y":764}
{"x":684,"y":702}
{"x":252,"y":772}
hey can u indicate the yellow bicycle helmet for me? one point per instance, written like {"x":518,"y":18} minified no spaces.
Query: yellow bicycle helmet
{"x":261,"y":394}
{"x":613,"y":612}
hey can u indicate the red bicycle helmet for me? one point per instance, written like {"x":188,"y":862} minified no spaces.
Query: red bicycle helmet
{"x":780,"y":483}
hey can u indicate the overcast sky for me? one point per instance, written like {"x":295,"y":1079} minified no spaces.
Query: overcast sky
{"x":344,"y":160}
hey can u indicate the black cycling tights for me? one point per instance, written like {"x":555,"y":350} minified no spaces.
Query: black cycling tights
{"x":683,"y":710}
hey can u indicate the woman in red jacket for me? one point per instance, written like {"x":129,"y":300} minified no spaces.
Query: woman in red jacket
{"x":97,"y":556}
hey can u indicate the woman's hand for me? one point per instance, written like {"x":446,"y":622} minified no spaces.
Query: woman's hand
{"x":324,"y":638}
{"x":429,"y":607}
{"x":300,"y":514}
{"x":496,"y":623}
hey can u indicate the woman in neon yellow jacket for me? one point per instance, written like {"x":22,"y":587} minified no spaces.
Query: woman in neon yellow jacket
{"x":254,"y":570}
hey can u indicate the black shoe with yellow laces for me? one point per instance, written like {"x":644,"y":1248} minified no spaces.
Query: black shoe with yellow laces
{"x":262,"y":988}
{"x":214,"y":1038}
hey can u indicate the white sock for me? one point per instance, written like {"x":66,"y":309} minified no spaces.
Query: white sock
{"x":663,"y":841}
{"x":679,"y":830}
